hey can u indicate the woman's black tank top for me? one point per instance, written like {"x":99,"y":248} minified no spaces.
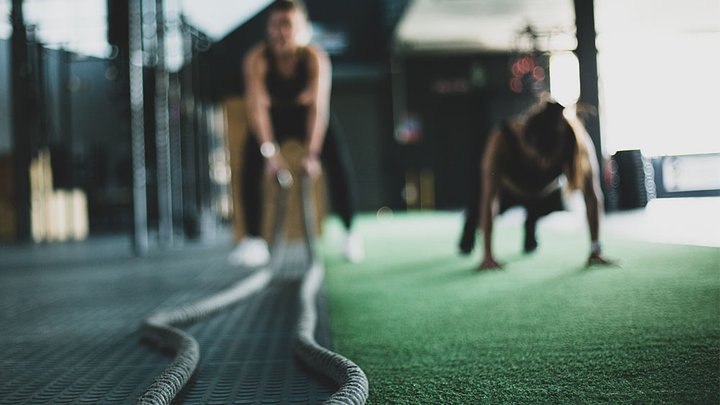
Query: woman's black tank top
{"x":289,"y":119}
{"x":523,"y":172}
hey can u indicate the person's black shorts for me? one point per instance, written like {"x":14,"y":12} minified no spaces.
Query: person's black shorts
{"x":535,"y":206}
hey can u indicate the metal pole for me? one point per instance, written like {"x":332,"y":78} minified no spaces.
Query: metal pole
{"x":21,"y":127}
{"x":177,"y":162}
{"x":137,"y":129}
{"x":162,"y":132}
{"x":189,"y":135}
{"x":202,"y":123}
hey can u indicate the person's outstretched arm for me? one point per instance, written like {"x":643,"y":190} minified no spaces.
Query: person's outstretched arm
{"x":317,"y":98}
{"x":258,"y":105}
{"x":593,"y":196}
{"x":490,"y":184}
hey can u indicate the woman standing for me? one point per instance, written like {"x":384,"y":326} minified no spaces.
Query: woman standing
{"x":287,"y":84}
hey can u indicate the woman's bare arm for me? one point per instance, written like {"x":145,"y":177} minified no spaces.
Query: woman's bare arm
{"x":317,"y":97}
{"x":593,"y":196}
{"x":258,"y":100}
{"x":592,"y":193}
{"x":258,"y":104}
{"x":490,"y":186}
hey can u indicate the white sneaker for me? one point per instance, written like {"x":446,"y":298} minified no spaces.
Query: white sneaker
{"x":354,"y":248}
{"x":250,"y":252}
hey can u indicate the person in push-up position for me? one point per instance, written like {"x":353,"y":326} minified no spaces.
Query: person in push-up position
{"x":524,"y":163}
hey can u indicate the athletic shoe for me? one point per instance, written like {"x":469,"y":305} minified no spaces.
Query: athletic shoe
{"x":354,"y":249}
{"x":250,"y":252}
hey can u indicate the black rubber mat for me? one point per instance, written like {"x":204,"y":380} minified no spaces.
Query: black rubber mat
{"x":70,"y":315}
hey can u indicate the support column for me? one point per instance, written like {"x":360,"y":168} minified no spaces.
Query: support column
{"x":135,"y":64}
{"x":191,"y":210}
{"x":586,"y":53}
{"x":21,"y":125}
{"x":166,"y":232}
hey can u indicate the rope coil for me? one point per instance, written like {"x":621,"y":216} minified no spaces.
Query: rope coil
{"x":161,"y":328}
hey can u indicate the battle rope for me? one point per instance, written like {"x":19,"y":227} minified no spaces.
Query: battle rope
{"x":161,"y":327}
{"x":354,"y":388}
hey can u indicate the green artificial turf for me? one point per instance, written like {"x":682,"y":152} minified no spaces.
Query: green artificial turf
{"x":429,"y":329}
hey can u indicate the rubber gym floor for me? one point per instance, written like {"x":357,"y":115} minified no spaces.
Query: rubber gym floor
{"x":422,"y":323}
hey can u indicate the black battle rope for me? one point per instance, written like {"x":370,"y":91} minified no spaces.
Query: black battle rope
{"x":354,"y":388}
{"x":160,"y":327}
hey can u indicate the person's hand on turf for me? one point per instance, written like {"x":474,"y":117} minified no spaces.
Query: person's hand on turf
{"x":489,"y":263}
{"x":599,"y":260}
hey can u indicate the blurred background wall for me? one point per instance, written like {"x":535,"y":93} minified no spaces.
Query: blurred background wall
{"x":127,"y":101}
